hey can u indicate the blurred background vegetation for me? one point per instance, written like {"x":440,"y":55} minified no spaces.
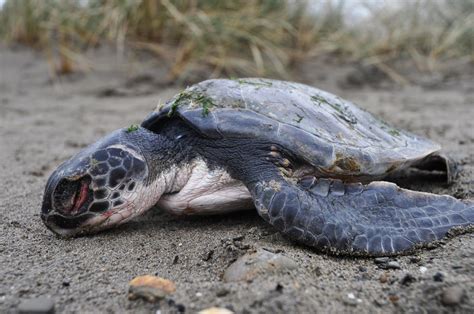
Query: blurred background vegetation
{"x":244,"y":37}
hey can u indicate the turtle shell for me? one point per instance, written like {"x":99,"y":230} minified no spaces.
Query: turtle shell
{"x":328,"y":132}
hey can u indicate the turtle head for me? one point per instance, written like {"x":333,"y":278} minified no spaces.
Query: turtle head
{"x":101,"y":186}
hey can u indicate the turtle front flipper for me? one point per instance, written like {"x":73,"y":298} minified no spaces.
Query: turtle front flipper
{"x":375,"y":219}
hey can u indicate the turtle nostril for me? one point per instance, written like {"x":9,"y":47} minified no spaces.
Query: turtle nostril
{"x":64,"y":194}
{"x":69,"y":196}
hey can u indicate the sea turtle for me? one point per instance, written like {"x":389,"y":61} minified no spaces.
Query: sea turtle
{"x":308,"y":161}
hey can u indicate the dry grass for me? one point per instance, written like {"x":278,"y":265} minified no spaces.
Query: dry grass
{"x":241,"y":37}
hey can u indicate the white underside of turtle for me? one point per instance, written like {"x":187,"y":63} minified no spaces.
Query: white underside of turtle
{"x":202,"y":191}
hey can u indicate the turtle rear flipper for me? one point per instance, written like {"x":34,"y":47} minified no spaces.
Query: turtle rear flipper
{"x":439,"y":162}
{"x":375,"y":219}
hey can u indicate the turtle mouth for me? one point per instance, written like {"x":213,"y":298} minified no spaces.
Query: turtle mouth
{"x":66,"y":226}
{"x":72,"y":197}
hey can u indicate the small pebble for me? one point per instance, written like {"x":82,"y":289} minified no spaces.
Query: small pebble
{"x":279,"y":287}
{"x":41,"y":305}
{"x":208,"y":256}
{"x":415,"y":259}
{"x":351,"y":300}
{"x":393,"y":265}
{"x":180,"y":308}
{"x":273,"y":250}
{"x":252,"y":230}
{"x":317,"y":271}
{"x":452,"y":296}
{"x":238,"y":238}
{"x":366,"y":276}
{"x":423,"y":269}
{"x":386,"y":263}
{"x":150,"y":288}
{"x":383,"y":278}
{"x":408,"y":279}
{"x":381,"y":260}
{"x":381,"y":302}
{"x":362,"y":269}
{"x":222,"y":292}
{"x":216,"y":310}
{"x":393,"y":298}
{"x":439,"y":277}
{"x":261,"y":262}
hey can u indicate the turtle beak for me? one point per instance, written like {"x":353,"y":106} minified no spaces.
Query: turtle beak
{"x":65,"y":203}
{"x":65,"y":226}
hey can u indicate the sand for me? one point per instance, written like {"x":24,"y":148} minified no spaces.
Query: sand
{"x":43,"y":123}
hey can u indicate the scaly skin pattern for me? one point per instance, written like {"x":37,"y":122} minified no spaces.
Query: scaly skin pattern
{"x":375,"y":219}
